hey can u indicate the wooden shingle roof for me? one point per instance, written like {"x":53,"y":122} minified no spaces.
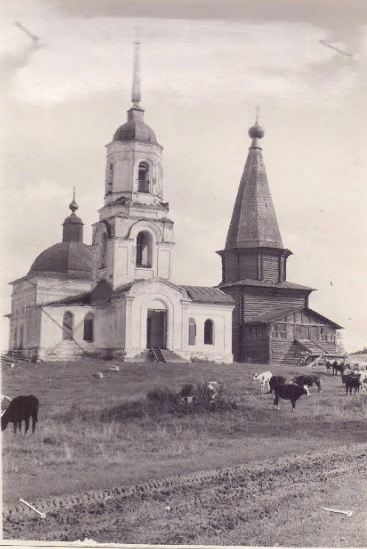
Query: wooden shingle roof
{"x":205,"y":294}
{"x":254,"y":222}
{"x":281,"y":313}
{"x":265,"y":284}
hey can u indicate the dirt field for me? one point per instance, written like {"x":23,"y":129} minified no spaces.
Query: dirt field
{"x":251,"y":475}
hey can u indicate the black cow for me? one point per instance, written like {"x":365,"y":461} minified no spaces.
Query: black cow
{"x":187,"y":393}
{"x":289,"y":392}
{"x":21,"y":408}
{"x":351,"y":381}
{"x":338,"y":368}
{"x":308,"y":380}
{"x":274,"y":381}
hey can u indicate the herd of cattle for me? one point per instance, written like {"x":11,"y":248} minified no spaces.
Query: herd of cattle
{"x":353,"y":379}
{"x":24,"y":408}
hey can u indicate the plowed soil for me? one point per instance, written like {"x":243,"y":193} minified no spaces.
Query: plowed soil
{"x":270,"y":503}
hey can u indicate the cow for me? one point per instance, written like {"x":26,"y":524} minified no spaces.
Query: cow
{"x":21,"y":408}
{"x":213,"y":389}
{"x":187,"y":393}
{"x":274,"y":381}
{"x":264,"y":379}
{"x":308,"y":380}
{"x":338,"y":368}
{"x":289,"y":391}
{"x":351,"y":381}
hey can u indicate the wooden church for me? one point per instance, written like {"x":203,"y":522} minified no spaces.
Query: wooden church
{"x":272,"y":321}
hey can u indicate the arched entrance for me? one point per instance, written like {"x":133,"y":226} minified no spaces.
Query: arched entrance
{"x":156,"y":326}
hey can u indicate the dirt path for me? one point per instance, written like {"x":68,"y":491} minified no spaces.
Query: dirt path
{"x":267,"y":504}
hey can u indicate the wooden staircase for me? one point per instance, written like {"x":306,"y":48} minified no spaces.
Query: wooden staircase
{"x":156,"y":355}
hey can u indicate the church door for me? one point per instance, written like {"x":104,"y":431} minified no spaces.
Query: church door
{"x":156,"y":329}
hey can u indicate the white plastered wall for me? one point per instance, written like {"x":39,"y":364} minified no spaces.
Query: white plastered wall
{"x":149,"y":294}
{"x":157,"y":294}
{"x":51,"y":327}
{"x":221,"y":316}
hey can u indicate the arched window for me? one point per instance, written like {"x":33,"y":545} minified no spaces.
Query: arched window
{"x":144,"y":250}
{"x":192,"y":331}
{"x":67,"y":325}
{"x":88,"y":334}
{"x":110,"y":178}
{"x":209,"y":332}
{"x":103,"y":250}
{"x":143,"y":177}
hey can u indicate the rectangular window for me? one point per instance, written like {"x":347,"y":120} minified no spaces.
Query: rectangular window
{"x":280,"y":331}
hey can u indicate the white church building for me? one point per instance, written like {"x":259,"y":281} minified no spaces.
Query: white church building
{"x":115,"y":298}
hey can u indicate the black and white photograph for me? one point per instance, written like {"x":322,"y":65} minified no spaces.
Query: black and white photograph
{"x":183,"y":272}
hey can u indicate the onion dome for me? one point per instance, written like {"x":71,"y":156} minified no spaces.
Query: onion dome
{"x":256,"y":131}
{"x":135,"y":129}
{"x":71,"y":256}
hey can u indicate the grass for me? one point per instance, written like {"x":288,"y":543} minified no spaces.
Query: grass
{"x":96,"y":433}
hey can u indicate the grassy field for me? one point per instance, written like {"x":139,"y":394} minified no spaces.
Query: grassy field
{"x":92,"y":435}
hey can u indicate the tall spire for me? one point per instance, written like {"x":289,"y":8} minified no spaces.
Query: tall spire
{"x":254,"y":222}
{"x":136,"y":88}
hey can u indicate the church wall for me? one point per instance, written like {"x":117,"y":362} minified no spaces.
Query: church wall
{"x":255,"y":344}
{"x":110,"y":325}
{"x":248,"y":264}
{"x":152,"y":294}
{"x":301,"y":325}
{"x":155,"y":295}
{"x":237,"y":316}
{"x":164,"y":262}
{"x":125,"y":156}
{"x":259,"y":301}
{"x":221,"y":349}
{"x":21,"y":335}
{"x":122,"y":254}
{"x":51,"y":340}
{"x":120,"y":265}
{"x":53,"y":288}
{"x":229,"y":266}
{"x":270,"y":267}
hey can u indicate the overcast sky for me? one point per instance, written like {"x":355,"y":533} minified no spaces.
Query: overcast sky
{"x":205,"y":67}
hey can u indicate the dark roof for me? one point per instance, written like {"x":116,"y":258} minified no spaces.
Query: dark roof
{"x":275,"y":314}
{"x":71,"y":258}
{"x":135,"y":130}
{"x":264,"y":284}
{"x":204,"y":294}
{"x":254,"y":223}
{"x":103,"y":293}
{"x":73,"y":219}
{"x":280,"y":313}
{"x":99,"y":295}
{"x":79,"y":299}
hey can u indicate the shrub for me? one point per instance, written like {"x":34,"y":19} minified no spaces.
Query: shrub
{"x":162,"y":395}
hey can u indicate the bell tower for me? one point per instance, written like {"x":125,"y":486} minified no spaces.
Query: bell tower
{"x":134,"y":237}
{"x":134,"y":157}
